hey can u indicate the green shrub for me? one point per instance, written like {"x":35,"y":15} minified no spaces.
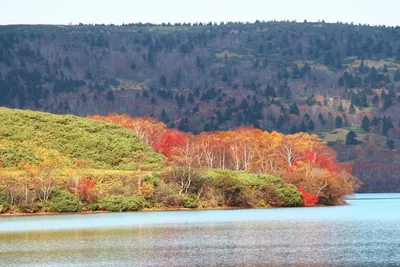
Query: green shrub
{"x":15,"y":154}
{"x":93,"y":206}
{"x":4,"y":203}
{"x":289,"y":195}
{"x":190,"y":201}
{"x":44,"y":206}
{"x":121,"y":203}
{"x":153,"y":179}
{"x":168,"y":195}
{"x":243,"y":189}
{"x":29,"y":208}
{"x":64,"y":201}
{"x":3,"y":198}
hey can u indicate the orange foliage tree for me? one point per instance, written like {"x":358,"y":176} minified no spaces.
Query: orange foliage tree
{"x":301,"y":159}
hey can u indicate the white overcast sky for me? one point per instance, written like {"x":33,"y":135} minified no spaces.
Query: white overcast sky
{"x":381,"y":12}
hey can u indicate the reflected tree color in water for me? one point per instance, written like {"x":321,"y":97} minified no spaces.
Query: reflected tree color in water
{"x":365,"y":232}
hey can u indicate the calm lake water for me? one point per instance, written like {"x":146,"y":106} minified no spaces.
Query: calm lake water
{"x":365,"y":232}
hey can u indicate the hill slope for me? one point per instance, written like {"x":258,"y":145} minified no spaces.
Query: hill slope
{"x":32,"y":136}
{"x":64,"y":163}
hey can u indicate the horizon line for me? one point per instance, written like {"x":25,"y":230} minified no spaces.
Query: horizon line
{"x":202,"y":24}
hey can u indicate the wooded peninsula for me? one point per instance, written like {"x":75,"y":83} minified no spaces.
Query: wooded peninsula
{"x":64,"y":163}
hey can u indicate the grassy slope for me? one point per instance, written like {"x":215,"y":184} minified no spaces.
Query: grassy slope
{"x":31,"y":136}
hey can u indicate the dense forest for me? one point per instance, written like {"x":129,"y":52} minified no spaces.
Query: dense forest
{"x":339,"y":81}
{"x":63,"y":163}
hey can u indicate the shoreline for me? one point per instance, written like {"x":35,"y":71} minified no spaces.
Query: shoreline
{"x":22,"y":214}
{"x":50,"y":213}
{"x":147,"y":210}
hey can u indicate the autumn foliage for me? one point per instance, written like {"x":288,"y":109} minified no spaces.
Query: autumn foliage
{"x":84,"y":189}
{"x":309,"y":200}
{"x":301,"y":159}
{"x":168,"y":143}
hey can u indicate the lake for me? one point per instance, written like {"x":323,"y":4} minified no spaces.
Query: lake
{"x":364,"y":232}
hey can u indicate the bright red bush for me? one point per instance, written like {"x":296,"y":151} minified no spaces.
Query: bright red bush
{"x":309,"y":200}
{"x":84,"y":189}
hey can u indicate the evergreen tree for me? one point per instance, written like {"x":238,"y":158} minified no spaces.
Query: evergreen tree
{"x":197,"y":91}
{"x":110,"y":96}
{"x":184,"y":124}
{"x":341,"y":81}
{"x":397,"y":75}
{"x":375,"y":100}
{"x":351,"y":138}
{"x":311,"y":125}
{"x":387,"y":124}
{"x":328,"y":59}
{"x":244,"y":104}
{"x":390,"y":144}
{"x":321,"y":119}
{"x":67,"y":63}
{"x":355,"y":99}
{"x":352,"y":110}
{"x":196,"y":109}
{"x":280,"y":122}
{"x":269,"y":91}
{"x":365,"y":124}
{"x":163,"y":81}
{"x":364,"y":100}
{"x":83,"y":97}
{"x":338,"y":122}
{"x":340,"y":108}
{"x":303,"y":127}
{"x":190,"y":98}
{"x":164,"y":117}
{"x":181,"y":100}
{"x":294,"y":109}
{"x":387,"y":102}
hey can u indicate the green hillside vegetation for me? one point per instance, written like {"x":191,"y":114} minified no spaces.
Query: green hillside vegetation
{"x":63,"y":163}
{"x":28,"y":136}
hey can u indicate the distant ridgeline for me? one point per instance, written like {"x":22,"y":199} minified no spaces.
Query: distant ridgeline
{"x":63,"y":163}
{"x":340,"y":81}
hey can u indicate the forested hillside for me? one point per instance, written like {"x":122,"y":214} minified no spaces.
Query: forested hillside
{"x":340,"y":81}
{"x":63,"y":163}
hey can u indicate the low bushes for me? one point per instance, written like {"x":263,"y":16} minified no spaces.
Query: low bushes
{"x":167,"y":195}
{"x":64,"y":201}
{"x":190,"y":201}
{"x":122,"y":203}
{"x":243,"y":189}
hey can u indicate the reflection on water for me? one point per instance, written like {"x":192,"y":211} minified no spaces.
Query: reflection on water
{"x":365,"y":232}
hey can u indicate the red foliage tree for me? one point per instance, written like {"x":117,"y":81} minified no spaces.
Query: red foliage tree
{"x":309,"y":200}
{"x":321,"y":161}
{"x":84,"y":189}
{"x":168,"y":143}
